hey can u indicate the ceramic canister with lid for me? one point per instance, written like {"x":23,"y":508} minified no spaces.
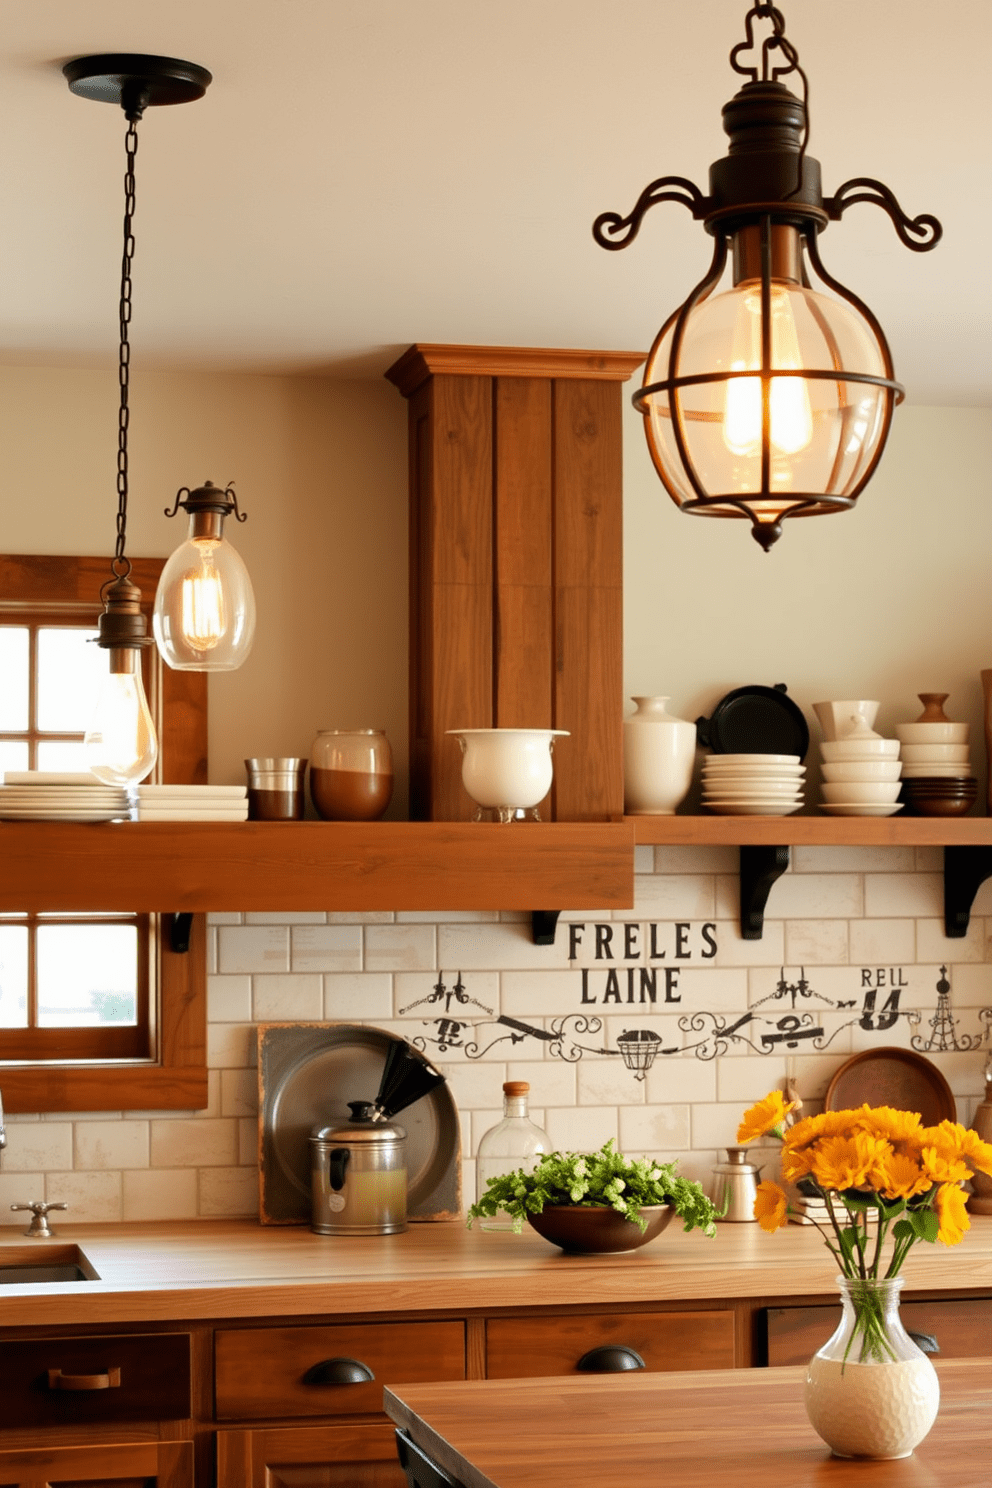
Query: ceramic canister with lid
{"x":358,"y":1175}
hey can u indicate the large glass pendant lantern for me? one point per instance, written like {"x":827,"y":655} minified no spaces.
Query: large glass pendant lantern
{"x":766,"y":395}
{"x":204,"y":617}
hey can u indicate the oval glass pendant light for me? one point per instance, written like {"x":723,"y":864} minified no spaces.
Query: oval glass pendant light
{"x":769,"y":398}
{"x":204,"y":617}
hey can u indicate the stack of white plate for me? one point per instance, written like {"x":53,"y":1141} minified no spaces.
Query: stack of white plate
{"x":753,"y":784}
{"x":861,"y":775}
{"x":49,"y":795}
{"x":192,"y":802}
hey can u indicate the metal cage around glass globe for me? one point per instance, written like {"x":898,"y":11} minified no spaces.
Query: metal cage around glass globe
{"x":769,"y":399}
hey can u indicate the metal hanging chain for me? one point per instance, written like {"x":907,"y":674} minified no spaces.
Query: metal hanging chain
{"x":121,"y":564}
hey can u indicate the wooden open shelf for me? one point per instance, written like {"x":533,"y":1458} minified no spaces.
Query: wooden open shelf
{"x":184,"y":867}
{"x":812,"y":831}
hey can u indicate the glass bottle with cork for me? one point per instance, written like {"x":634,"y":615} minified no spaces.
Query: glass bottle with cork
{"x":515,"y":1142}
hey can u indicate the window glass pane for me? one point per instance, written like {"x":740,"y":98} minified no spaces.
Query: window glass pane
{"x":69,"y":671}
{"x":14,"y":663}
{"x":13,"y":976}
{"x":87,"y":975}
{"x":63,"y":754}
{"x":13,"y":756}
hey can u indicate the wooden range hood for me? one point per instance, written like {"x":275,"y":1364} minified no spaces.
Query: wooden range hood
{"x":516,"y":564}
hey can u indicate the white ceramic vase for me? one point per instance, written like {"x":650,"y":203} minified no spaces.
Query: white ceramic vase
{"x":659,"y":752}
{"x":507,"y":771}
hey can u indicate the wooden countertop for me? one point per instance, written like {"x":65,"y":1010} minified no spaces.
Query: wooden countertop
{"x":745,"y":1427}
{"x":239,"y":1269}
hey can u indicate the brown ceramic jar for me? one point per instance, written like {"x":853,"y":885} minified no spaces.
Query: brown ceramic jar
{"x":351,"y":774}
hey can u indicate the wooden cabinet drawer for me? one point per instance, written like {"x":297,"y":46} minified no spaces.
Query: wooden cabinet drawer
{"x":520,"y":1348}
{"x":963,"y":1329}
{"x":69,"y":1381}
{"x":264,"y":1372}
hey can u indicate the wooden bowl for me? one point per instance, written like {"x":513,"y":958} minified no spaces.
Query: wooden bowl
{"x":597,"y":1230}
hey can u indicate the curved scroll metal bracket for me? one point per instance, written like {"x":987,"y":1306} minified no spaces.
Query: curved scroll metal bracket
{"x":925,"y":228}
{"x":609,"y":224}
{"x":761,"y":867}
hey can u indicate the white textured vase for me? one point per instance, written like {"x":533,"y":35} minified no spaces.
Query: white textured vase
{"x":870,"y":1392}
{"x":659,"y":752}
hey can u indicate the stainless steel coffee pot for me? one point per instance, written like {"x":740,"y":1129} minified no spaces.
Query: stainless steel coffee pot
{"x":358,"y":1175}
{"x":735,"y":1183}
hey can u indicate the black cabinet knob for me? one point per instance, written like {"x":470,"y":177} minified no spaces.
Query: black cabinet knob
{"x":338,"y":1372}
{"x":610,"y":1358}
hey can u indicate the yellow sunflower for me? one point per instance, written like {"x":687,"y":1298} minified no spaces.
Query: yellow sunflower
{"x":943,"y":1165}
{"x":764,"y":1117}
{"x":797,"y":1164}
{"x":846,"y":1162}
{"x":770,"y":1206}
{"x":950,"y":1206}
{"x":898,"y":1176}
{"x":897,"y":1126}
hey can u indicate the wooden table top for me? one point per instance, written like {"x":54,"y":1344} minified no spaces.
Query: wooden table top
{"x":740,"y":1428}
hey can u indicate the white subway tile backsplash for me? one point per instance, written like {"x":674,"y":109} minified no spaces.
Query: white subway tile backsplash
{"x":873,"y":941}
{"x":816,"y":942}
{"x":111,"y":1144}
{"x":228,"y":1193}
{"x":193,"y":1144}
{"x":229,"y":999}
{"x":285,"y":917}
{"x":248,"y":948}
{"x":889,"y":895}
{"x":19,"y":1188}
{"x":159,"y":1194}
{"x":933,"y":945}
{"x":93,"y":1198}
{"x":288,"y":999}
{"x":357,"y":996}
{"x":627,"y":1027}
{"x":38,"y":1146}
{"x":402,"y":947}
{"x":326,"y":948}
{"x":646,"y":1129}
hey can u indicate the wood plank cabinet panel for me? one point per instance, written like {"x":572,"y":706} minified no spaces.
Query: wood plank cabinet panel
{"x":260,"y":1372}
{"x":963,"y":1329}
{"x":94,"y":1380}
{"x":345,"y":1456}
{"x":519,"y":1348}
{"x":106,"y":1465}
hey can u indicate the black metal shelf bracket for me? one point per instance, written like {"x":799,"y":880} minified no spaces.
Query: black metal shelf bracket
{"x":761,"y":867}
{"x":965,"y":870}
{"x":544,"y":923}
{"x":180,"y":926}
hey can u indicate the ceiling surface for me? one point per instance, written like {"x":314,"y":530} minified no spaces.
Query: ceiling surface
{"x":367,"y":173}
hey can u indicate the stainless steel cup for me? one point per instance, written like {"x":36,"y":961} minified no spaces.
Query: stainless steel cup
{"x":275,"y":788}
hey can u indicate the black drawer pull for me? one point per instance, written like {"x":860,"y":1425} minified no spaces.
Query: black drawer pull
{"x":925,"y":1341}
{"x":610,"y":1358}
{"x":338,"y":1372}
{"x":59,"y":1381}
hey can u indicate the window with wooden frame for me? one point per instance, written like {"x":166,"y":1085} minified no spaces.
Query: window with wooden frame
{"x":97,"y":1011}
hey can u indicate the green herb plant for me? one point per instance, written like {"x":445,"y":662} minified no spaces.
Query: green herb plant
{"x":595,"y":1180}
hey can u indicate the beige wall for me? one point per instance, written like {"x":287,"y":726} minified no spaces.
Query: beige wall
{"x":883,"y":602}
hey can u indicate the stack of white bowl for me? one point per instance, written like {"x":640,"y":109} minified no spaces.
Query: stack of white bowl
{"x":937,"y":763}
{"x":861,"y":770}
{"x":753,"y":784}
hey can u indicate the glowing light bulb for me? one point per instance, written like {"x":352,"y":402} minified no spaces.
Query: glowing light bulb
{"x":121,"y":747}
{"x":201,"y":602}
{"x":791,"y":418}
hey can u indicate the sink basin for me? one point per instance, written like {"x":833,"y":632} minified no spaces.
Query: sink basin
{"x":43,"y":1262}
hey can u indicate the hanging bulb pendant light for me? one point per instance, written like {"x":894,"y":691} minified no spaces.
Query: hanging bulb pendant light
{"x":204,"y":618}
{"x":770,"y":399}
